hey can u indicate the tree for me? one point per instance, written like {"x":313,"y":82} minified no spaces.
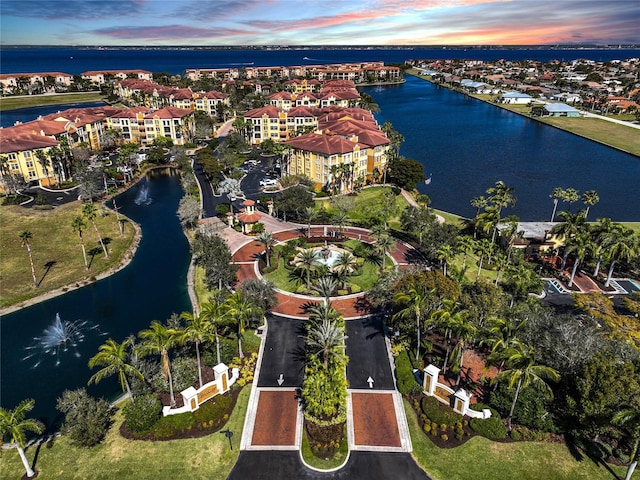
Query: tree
{"x":416,"y":220}
{"x":556,"y":194}
{"x":629,"y":418}
{"x":345,"y":265}
{"x":158,"y":340}
{"x":266,"y":239}
{"x":522,"y":280}
{"x":259,"y":292}
{"x":44,"y":161}
{"x":522,"y":370}
{"x":327,"y":338}
{"x":623,"y":245}
{"x":501,"y":195}
{"x":78,"y":226}
{"x":293,"y":202}
{"x":571,"y":195}
{"x":479,"y":203}
{"x":90,"y":211}
{"x":310,"y":214}
{"x":197,"y":330}
{"x":14,"y":425}
{"x":406,"y":173}
{"x":240,"y":312}
{"x":484,"y":248}
{"x":445,"y":254}
{"x":326,"y":286}
{"x":189,"y":211}
{"x":114,"y":357}
{"x":603,"y":232}
{"x":464,"y":331}
{"x":213,"y":313}
{"x":87,"y":420}
{"x":416,"y":301}
{"x":582,"y":243}
{"x":590,"y":198}
{"x":384,"y":244}
{"x":306,"y":261}
{"x":572,"y":225}
{"x":26,"y":237}
{"x":212,"y":253}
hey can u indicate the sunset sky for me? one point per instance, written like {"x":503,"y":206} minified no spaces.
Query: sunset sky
{"x":319,"y":22}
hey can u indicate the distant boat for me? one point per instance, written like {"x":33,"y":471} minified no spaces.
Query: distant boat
{"x":428,"y":180}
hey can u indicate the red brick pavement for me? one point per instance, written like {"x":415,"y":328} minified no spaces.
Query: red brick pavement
{"x":374,"y":420}
{"x":276,"y":418}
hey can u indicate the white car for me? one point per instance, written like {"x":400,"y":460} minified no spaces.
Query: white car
{"x":268,"y":182}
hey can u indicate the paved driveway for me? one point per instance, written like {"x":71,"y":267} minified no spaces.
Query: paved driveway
{"x":368,"y":357}
{"x":278,"y":465}
{"x":283,"y":355}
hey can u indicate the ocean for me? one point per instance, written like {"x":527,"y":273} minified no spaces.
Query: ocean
{"x":175,"y":60}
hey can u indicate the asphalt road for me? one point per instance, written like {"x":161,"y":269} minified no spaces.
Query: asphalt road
{"x":367,"y":351}
{"x":278,"y":465}
{"x":283,"y":353}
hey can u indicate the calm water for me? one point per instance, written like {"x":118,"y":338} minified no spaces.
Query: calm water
{"x":10,"y":117}
{"x":468,"y":145}
{"x":76,"y":61}
{"x":152,"y":287}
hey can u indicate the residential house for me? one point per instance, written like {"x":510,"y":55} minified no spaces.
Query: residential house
{"x":515,"y":98}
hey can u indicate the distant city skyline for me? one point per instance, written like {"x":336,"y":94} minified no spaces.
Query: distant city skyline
{"x":319,"y":22}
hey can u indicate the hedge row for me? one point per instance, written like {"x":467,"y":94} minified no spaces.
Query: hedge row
{"x":439,"y":413}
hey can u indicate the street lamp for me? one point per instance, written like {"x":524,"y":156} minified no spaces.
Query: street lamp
{"x":228,"y":433}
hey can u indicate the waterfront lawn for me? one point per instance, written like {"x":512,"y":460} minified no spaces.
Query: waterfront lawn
{"x":56,"y":250}
{"x":12,"y":103}
{"x":483,"y":459}
{"x":117,"y":458}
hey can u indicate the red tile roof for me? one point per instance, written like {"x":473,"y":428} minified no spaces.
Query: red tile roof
{"x":168,"y":113}
{"x":323,"y":144}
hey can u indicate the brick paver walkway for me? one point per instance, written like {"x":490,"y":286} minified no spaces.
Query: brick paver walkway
{"x":276,"y":419}
{"x":374,"y":420}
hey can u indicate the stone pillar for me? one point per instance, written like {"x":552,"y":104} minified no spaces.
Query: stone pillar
{"x":221,"y":376}
{"x":431,"y":373}
{"x":461,"y":401}
{"x":270,"y":207}
{"x":230,"y":219}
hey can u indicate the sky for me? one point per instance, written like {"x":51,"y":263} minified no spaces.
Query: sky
{"x":318,"y":22}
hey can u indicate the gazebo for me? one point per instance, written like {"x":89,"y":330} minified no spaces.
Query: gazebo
{"x":248,"y":216}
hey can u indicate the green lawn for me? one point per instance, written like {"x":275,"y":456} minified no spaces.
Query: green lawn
{"x":56,"y":244}
{"x":11,"y":103}
{"x":118,"y":458}
{"x":482,"y":459}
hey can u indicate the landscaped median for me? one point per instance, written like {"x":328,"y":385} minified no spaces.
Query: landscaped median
{"x":118,"y":458}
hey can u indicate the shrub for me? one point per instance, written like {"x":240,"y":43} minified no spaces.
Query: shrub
{"x":439,"y":413}
{"x":184,"y":372}
{"x":222,"y":209}
{"x":86,"y":420}
{"x":214,"y":410}
{"x":533,"y":409}
{"x":515,"y":435}
{"x":171,"y":424}
{"x":491,"y":427}
{"x":141,"y":414}
{"x":444,"y":437}
{"x":426,"y":428}
{"x":404,"y":373}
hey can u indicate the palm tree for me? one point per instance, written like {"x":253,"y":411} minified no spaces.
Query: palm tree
{"x":465,"y":332}
{"x":522,"y":370}
{"x":323,"y":311}
{"x":328,"y":339}
{"x":307,"y":260}
{"x":500,"y":261}
{"x":310,"y":214}
{"x":623,"y":246}
{"x":44,"y":161}
{"x":445,"y":318}
{"x":556,"y":194}
{"x":418,"y":301}
{"x":466,"y":245}
{"x":484,"y":248}
{"x":630,"y":418}
{"x":479,"y":203}
{"x":158,"y":340}
{"x":197,"y":330}
{"x":78,"y":224}
{"x":214,"y":314}
{"x":266,"y":239}
{"x":571,"y":195}
{"x":113,"y":357}
{"x":26,"y":237}
{"x":240,"y":312}
{"x":590,"y":198}
{"x":326,"y":286}
{"x":14,"y":425}
{"x":501,"y":195}
{"x":445,"y":253}
{"x":384,"y":244}
{"x":572,"y":225}
{"x":345,"y":265}
{"x":582,"y":243}
{"x":603,"y":232}
{"x":90,"y":211}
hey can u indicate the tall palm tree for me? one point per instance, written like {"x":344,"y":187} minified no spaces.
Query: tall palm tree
{"x":556,"y":194}
{"x":323,"y":311}
{"x":445,"y":319}
{"x":571,"y":195}
{"x":489,"y":221}
{"x":417,"y":301}
{"x":14,"y":425}
{"x":479,"y":203}
{"x":522,"y":371}
{"x":114,"y":358}
{"x":582,"y":243}
{"x":603,"y":232}
{"x":310,"y":214}
{"x":266,"y":239}
{"x":78,"y":224}
{"x":196,"y":330}
{"x":500,"y":261}
{"x":571,"y":225}
{"x":345,"y":265}
{"x":484,"y":249}
{"x":240,"y":312}
{"x":464,"y":331}
{"x":445,"y":253}
{"x":90,"y":211}
{"x":158,"y":339}
{"x":623,"y":246}
{"x":502,"y":335}
{"x":307,"y":260}
{"x":590,"y":198}
{"x":214,"y":314}
{"x":501,"y":195}
{"x":466,"y":245}
{"x":45,"y":162}
{"x":327,"y":338}
{"x":630,"y":418}
{"x":26,"y":237}
{"x":384,"y":244}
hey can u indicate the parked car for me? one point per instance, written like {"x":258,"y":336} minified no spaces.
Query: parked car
{"x":268,"y":182}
